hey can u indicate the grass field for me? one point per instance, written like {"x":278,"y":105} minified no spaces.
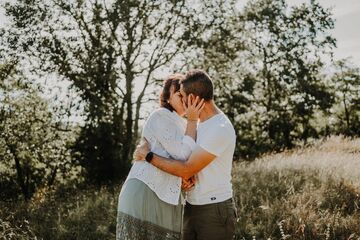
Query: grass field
{"x":307,"y":193}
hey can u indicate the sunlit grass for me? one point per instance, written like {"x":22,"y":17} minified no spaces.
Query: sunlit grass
{"x":306,"y":193}
{"x":337,"y":157}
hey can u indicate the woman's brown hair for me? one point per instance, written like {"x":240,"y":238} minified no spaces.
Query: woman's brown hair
{"x":172,"y":80}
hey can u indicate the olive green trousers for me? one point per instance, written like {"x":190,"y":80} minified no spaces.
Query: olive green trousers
{"x":214,"y":221}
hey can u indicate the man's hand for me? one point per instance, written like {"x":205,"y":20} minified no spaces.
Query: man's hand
{"x":193,"y":107}
{"x":188,"y":184}
{"x":141,"y":150}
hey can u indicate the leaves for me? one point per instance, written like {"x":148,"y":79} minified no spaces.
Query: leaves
{"x":266,"y":62}
{"x":32,"y":149}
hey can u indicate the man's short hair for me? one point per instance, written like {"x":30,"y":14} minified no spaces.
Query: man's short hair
{"x":197,"y":82}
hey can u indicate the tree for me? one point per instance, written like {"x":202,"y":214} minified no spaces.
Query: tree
{"x":221,"y":51}
{"x":267,"y":59}
{"x":290,"y":45}
{"x":33,"y":149}
{"x":346,"y":86}
{"x":103,"y":48}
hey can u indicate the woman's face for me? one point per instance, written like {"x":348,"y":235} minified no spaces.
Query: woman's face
{"x":175,"y":101}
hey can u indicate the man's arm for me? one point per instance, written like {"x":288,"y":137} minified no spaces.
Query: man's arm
{"x":199,"y":159}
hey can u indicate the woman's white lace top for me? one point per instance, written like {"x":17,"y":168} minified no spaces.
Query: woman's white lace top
{"x":165,"y":131}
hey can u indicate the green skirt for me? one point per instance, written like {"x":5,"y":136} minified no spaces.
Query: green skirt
{"x":142,"y":215}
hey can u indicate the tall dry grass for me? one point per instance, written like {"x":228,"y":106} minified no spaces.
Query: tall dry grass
{"x":306,"y":193}
{"x":336,"y":156}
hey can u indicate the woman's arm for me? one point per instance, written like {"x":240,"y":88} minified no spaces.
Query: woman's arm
{"x":164,"y":130}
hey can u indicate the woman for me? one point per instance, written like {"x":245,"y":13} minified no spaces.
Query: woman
{"x":150,"y":200}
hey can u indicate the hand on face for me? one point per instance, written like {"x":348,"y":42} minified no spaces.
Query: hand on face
{"x":193,"y":107}
{"x":141,"y":150}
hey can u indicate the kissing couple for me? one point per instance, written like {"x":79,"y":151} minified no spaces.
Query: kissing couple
{"x":179,"y":186}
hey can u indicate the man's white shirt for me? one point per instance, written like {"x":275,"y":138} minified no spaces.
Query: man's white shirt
{"x":217,"y":136}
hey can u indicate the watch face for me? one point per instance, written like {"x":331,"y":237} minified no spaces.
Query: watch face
{"x":149,"y":157}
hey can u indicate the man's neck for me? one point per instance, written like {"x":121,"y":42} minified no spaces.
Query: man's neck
{"x":209,"y":111}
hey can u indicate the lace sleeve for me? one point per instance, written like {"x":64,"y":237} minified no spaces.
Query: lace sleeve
{"x":170,"y":136}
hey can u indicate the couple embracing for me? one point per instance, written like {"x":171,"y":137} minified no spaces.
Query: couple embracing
{"x":181,"y":160}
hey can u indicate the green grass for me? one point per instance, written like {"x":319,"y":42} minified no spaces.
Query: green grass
{"x":308,"y":193}
{"x":64,"y":214}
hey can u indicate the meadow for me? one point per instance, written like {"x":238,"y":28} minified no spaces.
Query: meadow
{"x":78,"y":78}
{"x":310,"y":192}
{"x":307,"y":193}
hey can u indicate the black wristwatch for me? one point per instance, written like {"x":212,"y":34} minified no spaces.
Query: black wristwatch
{"x":149,"y":157}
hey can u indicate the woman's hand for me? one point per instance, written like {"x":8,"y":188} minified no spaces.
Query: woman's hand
{"x":141,"y":150}
{"x":193,"y":107}
{"x":188,"y":184}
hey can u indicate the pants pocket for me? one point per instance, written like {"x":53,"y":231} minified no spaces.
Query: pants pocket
{"x":228,"y":216}
{"x":227,"y":212}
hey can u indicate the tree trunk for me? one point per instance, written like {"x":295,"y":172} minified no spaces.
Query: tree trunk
{"x":347,"y":114}
{"x":19,"y":173}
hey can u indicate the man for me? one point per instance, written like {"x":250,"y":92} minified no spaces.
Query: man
{"x":210,"y":211}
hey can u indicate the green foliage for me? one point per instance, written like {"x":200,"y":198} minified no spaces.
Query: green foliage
{"x":345,"y":83}
{"x":20,"y":232}
{"x":103,"y":48}
{"x":33,"y":150}
{"x":266,"y":62}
